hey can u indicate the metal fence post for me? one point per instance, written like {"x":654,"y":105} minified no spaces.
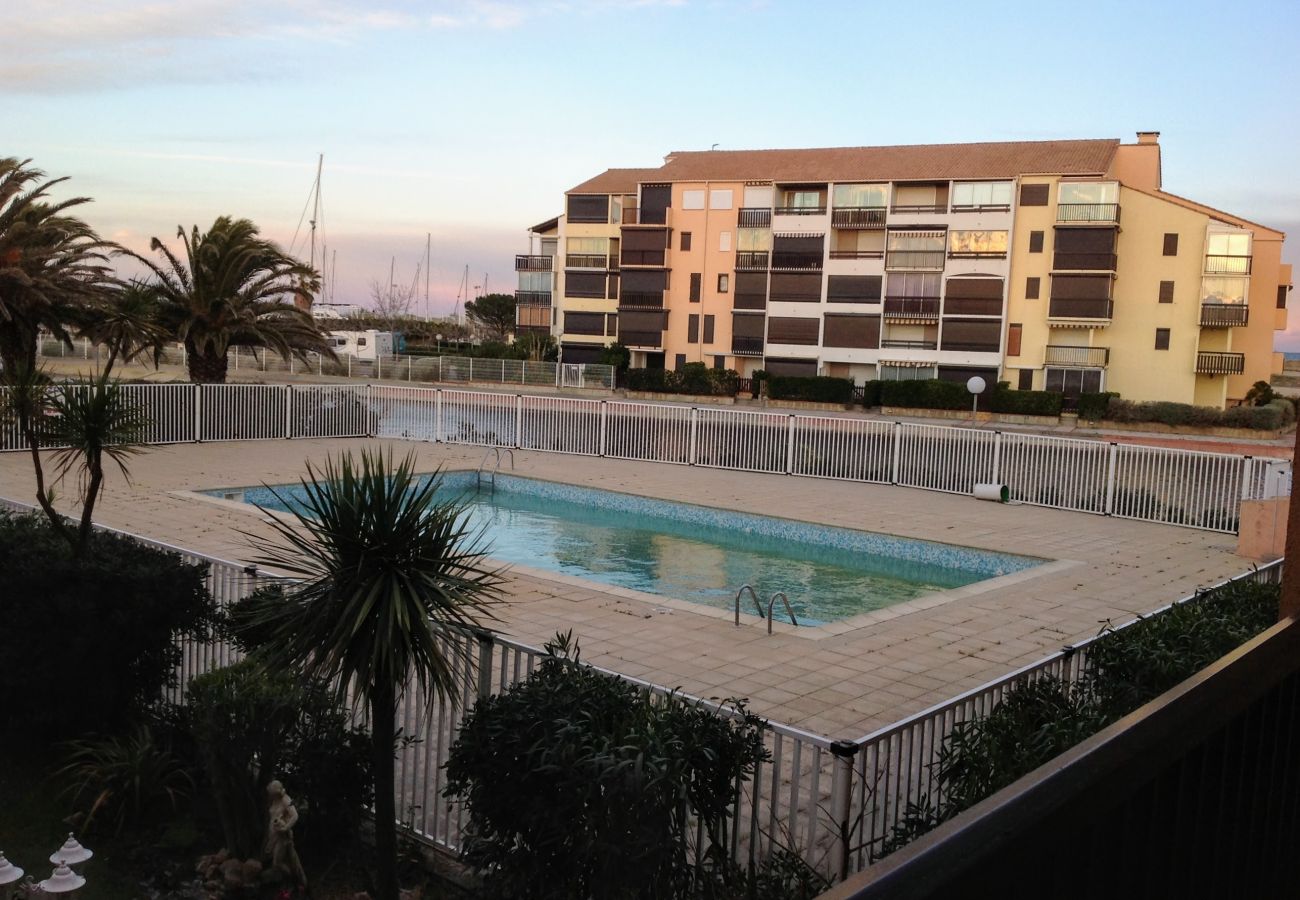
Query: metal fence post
{"x":1111,"y":466}
{"x":604,"y":425}
{"x":1247,"y":471}
{"x":370,"y":405}
{"x":440,"y":368}
{"x":198,"y":413}
{"x":695,"y":429}
{"x":471,"y":368}
{"x":519,"y":414}
{"x":898,"y":453}
{"x":484,"y":664}
{"x":843,"y":753}
{"x":379,"y":366}
{"x":437,"y":412}
{"x":408,"y":369}
{"x":288,"y":411}
{"x":503,"y":371}
{"x":789,"y":446}
{"x":997,"y":456}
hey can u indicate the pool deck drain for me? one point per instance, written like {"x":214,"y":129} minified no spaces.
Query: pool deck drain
{"x":843,"y":679}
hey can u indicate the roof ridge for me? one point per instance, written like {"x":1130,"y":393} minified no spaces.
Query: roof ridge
{"x":1115,"y":141}
{"x":1198,"y":206}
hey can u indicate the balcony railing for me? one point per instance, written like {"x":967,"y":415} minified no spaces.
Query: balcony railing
{"x":796,"y":261}
{"x":652,"y":340}
{"x":754,"y":217}
{"x":908,"y":208}
{"x":532,"y":298}
{"x":641,"y":300}
{"x":971,"y":346}
{"x":800,"y":211}
{"x":858,"y":217}
{"x":857,"y":254}
{"x":1214,"y":363}
{"x":1079,"y":357}
{"x":1227,"y":265}
{"x":891,"y":344}
{"x":911,"y":308}
{"x":1070,"y":260}
{"x":1100,"y":310}
{"x":746,"y":346}
{"x":977,"y":254}
{"x":981,"y":207}
{"x":1100,"y":213}
{"x":586,"y":261}
{"x":1224,"y":315}
{"x":530,"y":263}
{"x":915,"y":259}
{"x":751,"y":261}
{"x":635,"y":216}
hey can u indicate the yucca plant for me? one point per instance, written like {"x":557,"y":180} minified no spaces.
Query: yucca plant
{"x":124,"y":778}
{"x":391,"y":579}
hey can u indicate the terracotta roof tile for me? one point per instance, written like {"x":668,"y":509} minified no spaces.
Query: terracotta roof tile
{"x":614,"y":181}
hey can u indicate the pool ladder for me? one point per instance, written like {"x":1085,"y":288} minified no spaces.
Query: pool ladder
{"x":771,"y":605}
{"x":498,"y":452}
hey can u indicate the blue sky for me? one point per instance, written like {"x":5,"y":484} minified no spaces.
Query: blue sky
{"x":469,"y":119}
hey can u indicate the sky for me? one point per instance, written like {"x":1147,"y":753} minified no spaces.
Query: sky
{"x":468,"y":120}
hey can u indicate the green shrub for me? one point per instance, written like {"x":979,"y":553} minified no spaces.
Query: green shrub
{"x":1277,"y":414}
{"x":89,"y":643}
{"x":934,"y":394}
{"x":1024,"y":403}
{"x":578,"y":784}
{"x":871,"y":393}
{"x":126,"y":779}
{"x":251,"y":727}
{"x":1092,"y":407}
{"x":1260,"y":394}
{"x":694,"y":378}
{"x":813,"y":388}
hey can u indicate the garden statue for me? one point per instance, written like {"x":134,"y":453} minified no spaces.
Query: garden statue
{"x":279,"y":834}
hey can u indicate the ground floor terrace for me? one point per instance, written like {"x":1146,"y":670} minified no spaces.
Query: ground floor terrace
{"x":841,"y":680}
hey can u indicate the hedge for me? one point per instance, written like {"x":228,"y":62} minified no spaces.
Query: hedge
{"x":1025,"y":403}
{"x":933,"y":394}
{"x":814,"y":388}
{"x":871,"y":393}
{"x":1092,"y":407}
{"x":1274,"y":416}
{"x":694,"y":378}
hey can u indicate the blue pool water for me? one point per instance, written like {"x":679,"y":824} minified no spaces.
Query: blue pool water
{"x":699,"y":553}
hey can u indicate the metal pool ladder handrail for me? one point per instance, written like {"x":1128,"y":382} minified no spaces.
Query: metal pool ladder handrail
{"x":771,"y":604}
{"x":757,"y":603}
{"x":478,"y":477}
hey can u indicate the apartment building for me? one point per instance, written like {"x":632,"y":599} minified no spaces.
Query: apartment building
{"x":1057,"y":265}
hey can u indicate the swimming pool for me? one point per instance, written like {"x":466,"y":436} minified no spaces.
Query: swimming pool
{"x":701,"y":554}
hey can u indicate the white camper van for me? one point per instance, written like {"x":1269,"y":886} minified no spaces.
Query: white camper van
{"x":370,"y":344}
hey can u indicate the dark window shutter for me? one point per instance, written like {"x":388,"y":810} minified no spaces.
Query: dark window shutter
{"x":696,"y":279}
{"x":1026,"y":380}
{"x":585,"y":284}
{"x":853,"y":288}
{"x":793,"y":330}
{"x":1171,"y":244}
{"x":588,"y":208}
{"x":708,"y":329}
{"x":693,"y":329}
{"x":1166,"y":292}
{"x":1281,"y":296}
{"x":584,"y":323}
{"x":750,"y":326}
{"x":852,"y":331}
{"x":1013,"y":339}
{"x":1032,"y":287}
{"x":680,"y":362}
{"x":719,"y":362}
{"x":1162,"y":338}
{"x":686,"y":240}
{"x":1035,"y":242}
{"x":1034,"y":194}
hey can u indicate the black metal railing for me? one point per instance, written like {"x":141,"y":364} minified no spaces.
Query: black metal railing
{"x":532,"y":298}
{"x":1216,"y":363}
{"x":1066,"y":308}
{"x":1224,"y":315}
{"x":1216,"y":264}
{"x":751,"y":261}
{"x":754,"y":217}
{"x":906,"y":208}
{"x":981,"y":207}
{"x":858,"y":217}
{"x":796,"y":261}
{"x":586,"y":261}
{"x":641,"y":300}
{"x":911,"y":307}
{"x":1102,"y":213}
{"x":915,"y":259}
{"x":1079,"y":357}
{"x":1072,"y":260}
{"x":892,"y":344}
{"x":532,"y":263}
{"x":857,"y":254}
{"x":746,"y":346}
{"x":977,"y":254}
{"x":800,"y":211}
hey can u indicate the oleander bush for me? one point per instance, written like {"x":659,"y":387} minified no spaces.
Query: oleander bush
{"x":813,"y":388}
{"x":1276,"y":415}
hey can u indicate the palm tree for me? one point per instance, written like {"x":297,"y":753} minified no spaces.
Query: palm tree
{"x":230,"y":291}
{"x":52,"y":265}
{"x":126,"y":322}
{"x":392,"y":579}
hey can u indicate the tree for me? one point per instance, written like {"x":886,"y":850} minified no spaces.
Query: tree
{"x":125,"y":320}
{"x":537,"y":346}
{"x":232,"y":290}
{"x":52,"y":265}
{"x":495,"y":313}
{"x":392,"y":304}
{"x":389,"y":571}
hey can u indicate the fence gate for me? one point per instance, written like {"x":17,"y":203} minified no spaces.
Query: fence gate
{"x":571,"y":375}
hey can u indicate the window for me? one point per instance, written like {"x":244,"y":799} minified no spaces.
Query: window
{"x":692,"y":199}
{"x":907,"y":373}
{"x":861,"y":332}
{"x":721,"y":198}
{"x":719,"y":362}
{"x":979,"y":194}
{"x":724,"y":242}
{"x":1026,"y":382}
{"x":1035,"y":242}
{"x":708,"y":329}
{"x":913,"y":284}
{"x":588,"y":208}
{"x":584,"y":323}
{"x":588,"y":245}
{"x":802,"y":199}
{"x":1033,"y":194}
{"x":1166,"y":292}
{"x":1091,"y":192}
{"x":696,"y":278}
{"x":849,"y":196}
{"x":724,"y":283}
{"x":585,"y":284}
{"x":917,"y":241}
{"x":977,"y":243}
{"x":1073,"y":382}
{"x":1171,"y":244}
{"x":1281,"y":296}
{"x":611,"y":292}
{"x":693,"y":329}
{"x":853,"y":288}
{"x":686,"y":241}
{"x":1223,"y":290}
{"x":1032,"y":287}
{"x":1162,"y":338}
{"x":1224,"y":244}
{"x":797,"y":287}
{"x":753,"y":240}
{"x":361,"y":342}
{"x":679,"y":362}
{"x":1013,"y":339}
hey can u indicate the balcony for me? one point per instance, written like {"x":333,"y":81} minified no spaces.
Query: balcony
{"x":858,"y":217}
{"x":532,"y":298}
{"x":753,"y":217}
{"x":977,"y":254}
{"x":1091,"y":311}
{"x":796,"y":261}
{"x":1088,"y":213}
{"x":641,"y":300}
{"x":971,"y":346}
{"x":915,"y":308}
{"x":642,"y":340}
{"x":751,"y":261}
{"x":857,"y":254}
{"x":912,"y":208}
{"x":586,"y":261}
{"x":1214,"y":363}
{"x":915,"y":260}
{"x":800,"y":211}
{"x":529,"y":263}
{"x":1224,"y":315}
{"x":746,"y":346}
{"x":633,"y":215}
{"x":889,"y":344}
{"x":972,"y":306}
{"x":1227,"y":265}
{"x":1077,"y":357}
{"x":1081,"y":261}
{"x":642,"y":258}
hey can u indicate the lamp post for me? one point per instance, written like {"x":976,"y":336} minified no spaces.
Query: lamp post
{"x":9,"y":873}
{"x":976,"y":387}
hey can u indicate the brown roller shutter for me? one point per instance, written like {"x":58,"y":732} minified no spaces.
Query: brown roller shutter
{"x":1171,"y":244}
{"x":792,"y":330}
{"x":751,"y":290}
{"x":655,"y":200}
{"x":641,"y":320}
{"x":1081,"y":287}
{"x":696,"y":279}
{"x":975,"y":288}
{"x":1013,"y":341}
{"x":644,"y":280}
{"x":644,"y":239}
{"x":1035,"y":242}
{"x":797,"y":286}
{"x":588,"y":208}
{"x":1032,"y":286}
{"x":585,"y":284}
{"x":1034,"y":194}
{"x":853,"y":288}
{"x":584,"y":323}
{"x":1166,"y":292}
{"x":693,"y":329}
{"x":1084,"y":240}
{"x":708,"y":329}
{"x":747,"y":326}
{"x":852,"y":331}
{"x":978,"y":335}
{"x":800,"y":368}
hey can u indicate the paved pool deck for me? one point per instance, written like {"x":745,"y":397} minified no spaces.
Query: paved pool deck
{"x":843,"y":680}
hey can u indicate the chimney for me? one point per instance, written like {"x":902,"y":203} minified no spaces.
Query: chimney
{"x":1148,"y":137}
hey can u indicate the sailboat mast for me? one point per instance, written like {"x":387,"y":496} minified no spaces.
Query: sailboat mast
{"x":428,"y":262}
{"x":315,"y":209}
